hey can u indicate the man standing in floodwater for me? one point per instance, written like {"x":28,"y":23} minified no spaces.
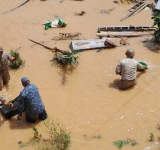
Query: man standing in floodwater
{"x":4,"y":67}
{"x":30,"y":101}
{"x":127,"y":69}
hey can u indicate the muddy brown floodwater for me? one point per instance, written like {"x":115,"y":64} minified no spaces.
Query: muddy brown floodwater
{"x":86,"y":100}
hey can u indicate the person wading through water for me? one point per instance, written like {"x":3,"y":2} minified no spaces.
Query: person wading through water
{"x":127,"y":69}
{"x":30,"y":101}
{"x":4,"y":67}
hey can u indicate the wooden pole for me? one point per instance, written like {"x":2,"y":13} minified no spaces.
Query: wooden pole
{"x":55,"y":49}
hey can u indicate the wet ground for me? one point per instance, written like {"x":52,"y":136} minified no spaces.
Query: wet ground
{"x":87,"y":99}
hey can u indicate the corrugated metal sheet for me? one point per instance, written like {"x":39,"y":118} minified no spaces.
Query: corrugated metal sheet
{"x":77,"y":45}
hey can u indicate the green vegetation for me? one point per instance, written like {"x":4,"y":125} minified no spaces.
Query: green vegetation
{"x":15,"y":64}
{"x":121,"y":143}
{"x":157,"y":24}
{"x":65,"y":59}
{"x":21,"y":144}
{"x":58,"y":137}
{"x":132,"y":142}
{"x":151,"y":137}
{"x":97,"y":137}
{"x":37,"y":136}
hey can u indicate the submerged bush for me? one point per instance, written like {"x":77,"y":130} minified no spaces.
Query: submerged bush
{"x":121,"y":143}
{"x":157,"y":24}
{"x":15,"y":64}
{"x":59,"y":136}
{"x":67,"y":58}
{"x":151,"y":137}
{"x":58,"y":139}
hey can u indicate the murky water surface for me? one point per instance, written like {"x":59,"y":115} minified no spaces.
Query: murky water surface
{"x":86,"y":100}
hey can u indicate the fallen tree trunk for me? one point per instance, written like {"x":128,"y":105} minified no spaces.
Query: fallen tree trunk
{"x":55,"y":49}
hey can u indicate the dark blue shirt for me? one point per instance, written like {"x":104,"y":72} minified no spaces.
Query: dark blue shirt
{"x":30,"y":99}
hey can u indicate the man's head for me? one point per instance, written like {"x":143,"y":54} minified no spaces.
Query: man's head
{"x":25,"y":81}
{"x":1,"y":51}
{"x":130,"y":53}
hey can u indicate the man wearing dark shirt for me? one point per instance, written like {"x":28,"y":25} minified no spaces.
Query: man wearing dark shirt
{"x":30,"y":101}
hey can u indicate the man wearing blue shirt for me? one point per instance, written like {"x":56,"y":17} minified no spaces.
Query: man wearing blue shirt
{"x":30,"y":101}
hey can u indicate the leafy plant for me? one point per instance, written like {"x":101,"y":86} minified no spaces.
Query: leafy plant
{"x":67,"y":58}
{"x":59,"y":136}
{"x":132,"y":142}
{"x":21,"y":144}
{"x":157,"y":24}
{"x":37,"y":136}
{"x":151,"y":137}
{"x":17,"y":62}
{"x":63,"y":58}
{"x":121,"y":143}
{"x":58,"y":139}
{"x":97,"y":137}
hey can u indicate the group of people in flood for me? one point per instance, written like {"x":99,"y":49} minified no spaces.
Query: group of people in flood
{"x":29,"y":99}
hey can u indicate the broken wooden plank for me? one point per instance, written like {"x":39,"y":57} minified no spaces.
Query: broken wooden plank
{"x":122,"y":34}
{"x":55,"y":49}
{"x":125,"y":0}
{"x":126,"y":28}
{"x":77,"y":45}
{"x":135,"y":6}
{"x":158,"y":5}
{"x":135,"y":10}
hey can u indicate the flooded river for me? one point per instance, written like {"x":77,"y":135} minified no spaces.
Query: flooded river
{"x":86,"y":100}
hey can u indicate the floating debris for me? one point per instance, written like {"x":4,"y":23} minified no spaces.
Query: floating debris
{"x":77,"y":45}
{"x":80,"y":14}
{"x":123,"y":41}
{"x":126,"y":28}
{"x":122,"y":34}
{"x":107,"y":11}
{"x":135,"y":9}
{"x":67,"y":36}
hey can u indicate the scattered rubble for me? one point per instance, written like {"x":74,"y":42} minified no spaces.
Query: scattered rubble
{"x":123,"y":41}
{"x":110,"y":43}
{"x":107,"y":11}
{"x":116,"y":1}
{"x":67,"y":36}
